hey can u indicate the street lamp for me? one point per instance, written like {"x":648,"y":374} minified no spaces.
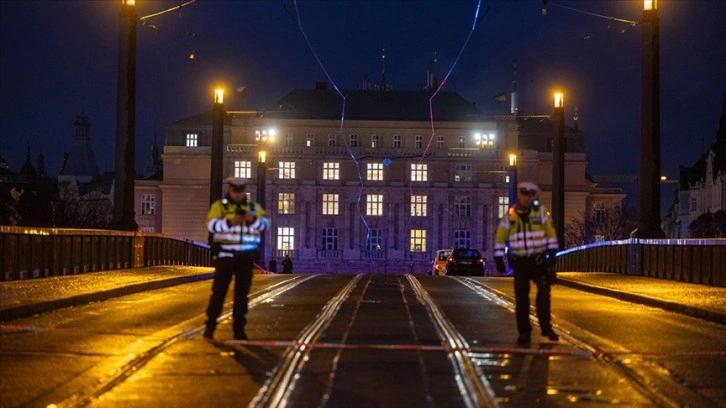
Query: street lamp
{"x":125,"y":154}
{"x":512,"y":178}
{"x":263,"y":137}
{"x":558,"y":168}
{"x":649,"y":218}
{"x":261,"y":171}
{"x":215,"y":187}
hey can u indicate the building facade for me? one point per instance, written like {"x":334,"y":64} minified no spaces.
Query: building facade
{"x":701,"y":187}
{"x":378,"y":189}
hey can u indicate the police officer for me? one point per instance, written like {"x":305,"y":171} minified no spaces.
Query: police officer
{"x":532,"y":247}
{"x":235,"y":227}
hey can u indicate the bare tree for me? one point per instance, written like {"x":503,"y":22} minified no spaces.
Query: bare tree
{"x":609,"y":225}
{"x":72,"y":210}
{"x":708,"y":225}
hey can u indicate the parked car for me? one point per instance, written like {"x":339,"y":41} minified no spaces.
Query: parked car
{"x":465,"y":261}
{"x":439,"y":262}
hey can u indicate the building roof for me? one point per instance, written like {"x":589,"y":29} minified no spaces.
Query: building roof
{"x":374,"y":105}
{"x":536,"y":133}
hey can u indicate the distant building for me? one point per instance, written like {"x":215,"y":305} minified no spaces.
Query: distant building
{"x":88,"y":194}
{"x":701,"y":187}
{"x":147,"y":193}
{"x":378,"y":191}
{"x":25,"y":196}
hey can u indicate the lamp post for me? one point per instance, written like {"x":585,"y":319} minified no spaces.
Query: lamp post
{"x":215,"y":187}
{"x":512,"y":178}
{"x":558,"y":168}
{"x":263,"y":138}
{"x":261,"y":170}
{"x":649,"y":218}
{"x":125,"y":154}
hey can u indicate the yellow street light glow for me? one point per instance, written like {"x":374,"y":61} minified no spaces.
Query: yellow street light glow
{"x":559,"y":100}
{"x":512,"y":159}
{"x":128,"y":2}
{"x":261,"y":156}
{"x":219,"y":95}
{"x":650,"y":4}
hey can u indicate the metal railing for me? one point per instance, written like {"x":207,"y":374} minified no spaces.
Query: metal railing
{"x":698,"y":261}
{"x":39,"y":252}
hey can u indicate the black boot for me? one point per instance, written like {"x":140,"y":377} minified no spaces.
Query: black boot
{"x":209,"y":332}
{"x":550,"y":334}
{"x":524,"y":338}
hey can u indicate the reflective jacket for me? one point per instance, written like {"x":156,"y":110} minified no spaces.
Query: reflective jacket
{"x":227,"y":239}
{"x":529,"y":232}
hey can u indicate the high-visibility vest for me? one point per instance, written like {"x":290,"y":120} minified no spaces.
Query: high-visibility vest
{"x":529,"y":233}
{"x":227,"y":239}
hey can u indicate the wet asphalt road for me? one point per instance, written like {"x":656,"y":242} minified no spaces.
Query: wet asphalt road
{"x":366,"y":341}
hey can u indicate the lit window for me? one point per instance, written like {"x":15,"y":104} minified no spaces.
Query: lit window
{"x":330,"y":239}
{"x":462,"y":172}
{"x":462,"y":239}
{"x":354,"y":140}
{"x":418,"y":205}
{"x":243,"y":169}
{"x":331,"y":171}
{"x":192,"y":139}
{"x":374,"y":204}
{"x":330,"y":204}
{"x":148,"y":204}
{"x":374,"y":171}
{"x":310,"y":140}
{"x":375,"y":141}
{"x":419,"y":172}
{"x":418,"y":240}
{"x":286,"y":170}
{"x":503,"y":206}
{"x":285,"y":238}
{"x":286,"y":203}
{"x":419,"y":141}
{"x":397,"y":141}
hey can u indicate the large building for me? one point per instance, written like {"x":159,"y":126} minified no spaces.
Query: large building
{"x":375,"y":182}
{"x":701,"y":187}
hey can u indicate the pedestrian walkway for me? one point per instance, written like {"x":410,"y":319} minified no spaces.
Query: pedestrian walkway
{"x":24,"y":298}
{"x":705,"y":302}
{"x":28,"y":297}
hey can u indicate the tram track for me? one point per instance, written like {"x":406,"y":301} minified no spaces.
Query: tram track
{"x":641,"y":380}
{"x":118,"y":376}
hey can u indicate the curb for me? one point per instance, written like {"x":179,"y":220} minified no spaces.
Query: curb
{"x":696,"y":312}
{"x":28,"y":310}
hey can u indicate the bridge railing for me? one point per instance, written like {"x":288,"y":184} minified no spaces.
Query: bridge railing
{"x":29,"y":252}
{"x":701,"y":261}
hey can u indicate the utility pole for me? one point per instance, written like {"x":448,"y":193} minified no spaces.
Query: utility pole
{"x":125,"y":159}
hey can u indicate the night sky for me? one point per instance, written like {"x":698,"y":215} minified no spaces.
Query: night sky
{"x":59,"y":58}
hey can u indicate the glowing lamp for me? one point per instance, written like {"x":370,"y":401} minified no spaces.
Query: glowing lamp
{"x":261,"y":156}
{"x":219,"y":95}
{"x":559,"y":100}
{"x":650,"y":4}
{"x":128,"y":2}
{"x":512,"y":159}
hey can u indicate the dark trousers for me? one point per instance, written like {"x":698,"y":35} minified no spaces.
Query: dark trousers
{"x":224,"y":269}
{"x":526,"y":270}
